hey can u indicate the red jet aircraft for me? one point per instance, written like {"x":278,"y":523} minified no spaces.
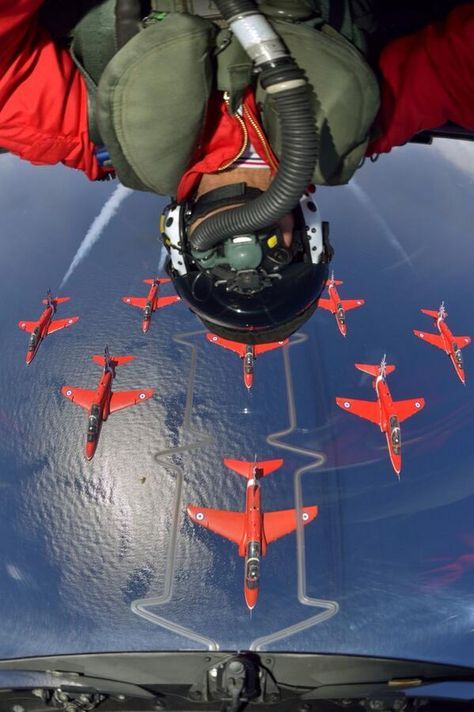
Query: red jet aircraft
{"x":445,"y":340}
{"x":253,"y":529}
{"x":152,"y":302}
{"x":45,"y":324}
{"x":102,"y":402}
{"x":336,"y":305}
{"x":247,"y":353}
{"x":384,"y":412}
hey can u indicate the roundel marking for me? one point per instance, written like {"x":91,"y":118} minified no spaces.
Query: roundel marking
{"x":23,"y":324}
{"x":305,"y":516}
{"x":422,"y":336}
{"x":69,"y":392}
{"x":70,"y":321}
{"x":347,"y":404}
{"x":128,"y":301}
{"x":199,"y":516}
{"x":214,"y":338}
{"x":142,"y":396}
{"x":417,"y":404}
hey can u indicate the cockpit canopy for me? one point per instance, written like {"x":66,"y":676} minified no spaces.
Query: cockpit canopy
{"x":457,"y":354}
{"x":395,"y":434}
{"x":92,"y":428}
{"x":33,"y":339}
{"x":340,"y":313}
{"x":252,"y":568}
{"x":147,"y":311}
{"x":248,"y":362}
{"x":93,"y":423}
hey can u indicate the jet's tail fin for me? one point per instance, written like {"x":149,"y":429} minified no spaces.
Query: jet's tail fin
{"x":374,"y":370}
{"x":116,"y":360}
{"x":56,"y":300}
{"x":336,"y":282}
{"x":257,"y":468}
{"x":430,"y":312}
{"x":161,"y":280}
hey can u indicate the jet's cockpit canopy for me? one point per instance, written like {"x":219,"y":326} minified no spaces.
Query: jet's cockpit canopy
{"x":147,"y":311}
{"x":341,"y":316}
{"x":93,"y":423}
{"x":252,"y":567}
{"x":248,"y":362}
{"x":395,"y":433}
{"x":457,"y":354}
{"x":33,"y":339}
{"x":92,"y":428}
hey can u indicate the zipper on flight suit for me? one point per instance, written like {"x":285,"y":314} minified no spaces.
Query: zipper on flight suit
{"x":254,"y":123}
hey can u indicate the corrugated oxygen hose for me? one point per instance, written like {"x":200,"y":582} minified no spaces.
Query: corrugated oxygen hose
{"x":293,"y":98}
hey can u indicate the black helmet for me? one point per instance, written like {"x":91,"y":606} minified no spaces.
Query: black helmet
{"x":249,"y":288}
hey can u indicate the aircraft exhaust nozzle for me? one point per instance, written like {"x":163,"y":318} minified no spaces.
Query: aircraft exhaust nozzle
{"x":374,"y":370}
{"x":247,"y":469}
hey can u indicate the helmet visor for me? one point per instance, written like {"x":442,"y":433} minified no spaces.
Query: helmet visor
{"x":255,"y":318}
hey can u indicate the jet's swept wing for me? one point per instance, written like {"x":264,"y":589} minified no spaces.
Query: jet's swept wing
{"x":80,"y":396}
{"x":278,"y":524}
{"x":434,"y":339}
{"x":139,"y":302}
{"x":124,"y":399}
{"x":61,"y":324}
{"x":406,"y":408}
{"x":28,"y":326}
{"x":161,"y":302}
{"x":230,"y":525}
{"x":247,"y":469}
{"x":364,"y":409}
{"x":348,"y":304}
{"x":325,"y":304}
{"x":226,"y":344}
{"x":437,"y":339}
{"x":263,"y":348}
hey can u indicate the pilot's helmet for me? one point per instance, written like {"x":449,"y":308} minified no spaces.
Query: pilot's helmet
{"x":250,"y":287}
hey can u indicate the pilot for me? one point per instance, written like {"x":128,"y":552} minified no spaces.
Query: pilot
{"x":171,"y":104}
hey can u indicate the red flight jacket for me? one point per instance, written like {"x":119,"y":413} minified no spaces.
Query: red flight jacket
{"x":426,"y":79}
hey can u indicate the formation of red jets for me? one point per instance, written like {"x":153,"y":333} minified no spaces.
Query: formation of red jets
{"x":251,"y":530}
{"x":101,"y":402}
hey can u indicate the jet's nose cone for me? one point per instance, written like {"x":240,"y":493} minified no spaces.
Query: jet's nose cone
{"x":251,"y":596}
{"x":397,"y":464}
{"x":90,"y":450}
{"x":248,"y":380}
{"x":145,"y":327}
